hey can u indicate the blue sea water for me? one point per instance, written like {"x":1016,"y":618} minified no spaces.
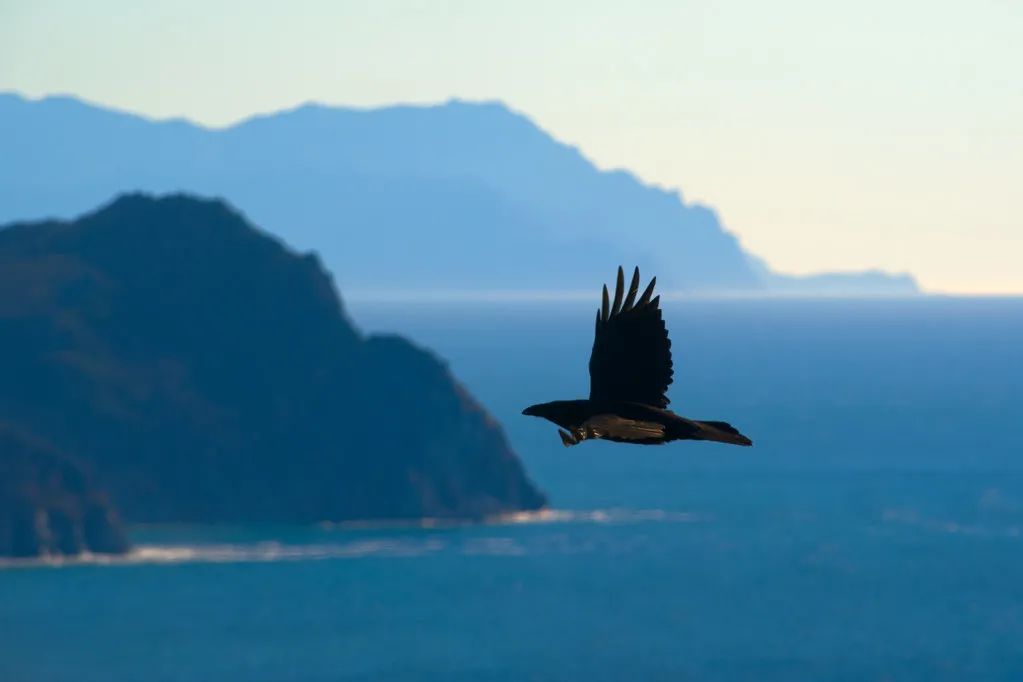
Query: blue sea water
{"x":874,"y":532}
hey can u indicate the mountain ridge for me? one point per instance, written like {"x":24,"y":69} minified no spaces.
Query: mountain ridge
{"x":482,"y":179}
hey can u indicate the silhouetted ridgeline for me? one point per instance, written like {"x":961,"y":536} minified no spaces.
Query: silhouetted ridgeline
{"x":202,"y":372}
{"x":478,"y":197}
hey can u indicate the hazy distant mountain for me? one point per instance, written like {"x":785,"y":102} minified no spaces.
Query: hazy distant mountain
{"x":866,"y":283}
{"x":202,"y":372}
{"x":455,"y":197}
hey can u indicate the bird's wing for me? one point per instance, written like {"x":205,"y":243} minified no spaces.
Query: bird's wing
{"x":631,"y":357}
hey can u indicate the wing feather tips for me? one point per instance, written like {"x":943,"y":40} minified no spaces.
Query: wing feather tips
{"x":633,"y":290}
{"x":645,"y":298}
{"x":619,"y":291}
{"x":610,"y":309}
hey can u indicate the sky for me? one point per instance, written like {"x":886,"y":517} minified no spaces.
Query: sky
{"x":827,"y":135}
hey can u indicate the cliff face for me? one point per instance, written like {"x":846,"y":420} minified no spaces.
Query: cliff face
{"x":205,"y":373}
{"x":47,"y":505}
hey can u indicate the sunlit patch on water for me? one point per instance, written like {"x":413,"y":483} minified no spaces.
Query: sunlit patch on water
{"x":609,"y":516}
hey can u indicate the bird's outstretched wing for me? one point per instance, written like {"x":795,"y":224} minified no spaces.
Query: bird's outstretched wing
{"x":631,"y":358}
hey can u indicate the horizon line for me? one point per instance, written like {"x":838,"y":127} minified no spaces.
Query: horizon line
{"x":575,"y":296}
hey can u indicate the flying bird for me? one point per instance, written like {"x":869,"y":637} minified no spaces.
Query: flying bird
{"x":630,"y":371}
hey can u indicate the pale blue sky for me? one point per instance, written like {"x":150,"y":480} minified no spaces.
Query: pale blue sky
{"x":828,"y":135}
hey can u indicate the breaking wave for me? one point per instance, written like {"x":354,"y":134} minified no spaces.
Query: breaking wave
{"x":913,"y":519}
{"x":616,"y":515}
{"x":609,"y":516}
{"x":256,"y":552}
{"x":274,"y":551}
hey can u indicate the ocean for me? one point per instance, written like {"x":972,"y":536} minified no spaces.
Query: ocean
{"x":874,"y":531}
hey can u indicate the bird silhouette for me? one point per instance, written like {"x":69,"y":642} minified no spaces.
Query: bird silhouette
{"x":630,"y":371}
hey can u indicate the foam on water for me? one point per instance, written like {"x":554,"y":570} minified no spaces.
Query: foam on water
{"x":909,"y":517}
{"x":239,"y":553}
{"x":268,"y":551}
{"x":610,"y":516}
{"x":616,"y":515}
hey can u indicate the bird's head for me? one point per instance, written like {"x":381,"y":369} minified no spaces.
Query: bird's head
{"x":534,"y":410}
{"x":564,"y":413}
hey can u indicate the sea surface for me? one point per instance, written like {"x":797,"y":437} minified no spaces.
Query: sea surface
{"x":874,"y":532}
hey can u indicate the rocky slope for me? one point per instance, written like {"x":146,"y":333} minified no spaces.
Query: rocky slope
{"x":202,"y":372}
{"x":47,"y":504}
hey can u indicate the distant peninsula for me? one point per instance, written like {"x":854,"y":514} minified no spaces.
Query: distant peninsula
{"x":456,"y":197}
{"x":165,"y":361}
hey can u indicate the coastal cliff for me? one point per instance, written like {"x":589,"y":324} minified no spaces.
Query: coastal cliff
{"x":205,"y":373}
{"x":47,"y":504}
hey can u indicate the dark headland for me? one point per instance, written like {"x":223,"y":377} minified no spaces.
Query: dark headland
{"x":194,"y":370}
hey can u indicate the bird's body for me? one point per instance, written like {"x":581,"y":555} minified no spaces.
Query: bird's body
{"x":630,"y":371}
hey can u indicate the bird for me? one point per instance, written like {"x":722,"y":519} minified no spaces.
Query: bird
{"x":630,"y":371}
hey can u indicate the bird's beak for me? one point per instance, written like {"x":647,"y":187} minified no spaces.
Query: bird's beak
{"x":530,"y":411}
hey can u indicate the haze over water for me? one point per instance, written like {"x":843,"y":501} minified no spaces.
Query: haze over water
{"x":875,"y":531}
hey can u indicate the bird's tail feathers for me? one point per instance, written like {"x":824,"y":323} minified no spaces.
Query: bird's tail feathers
{"x":721,"y":432}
